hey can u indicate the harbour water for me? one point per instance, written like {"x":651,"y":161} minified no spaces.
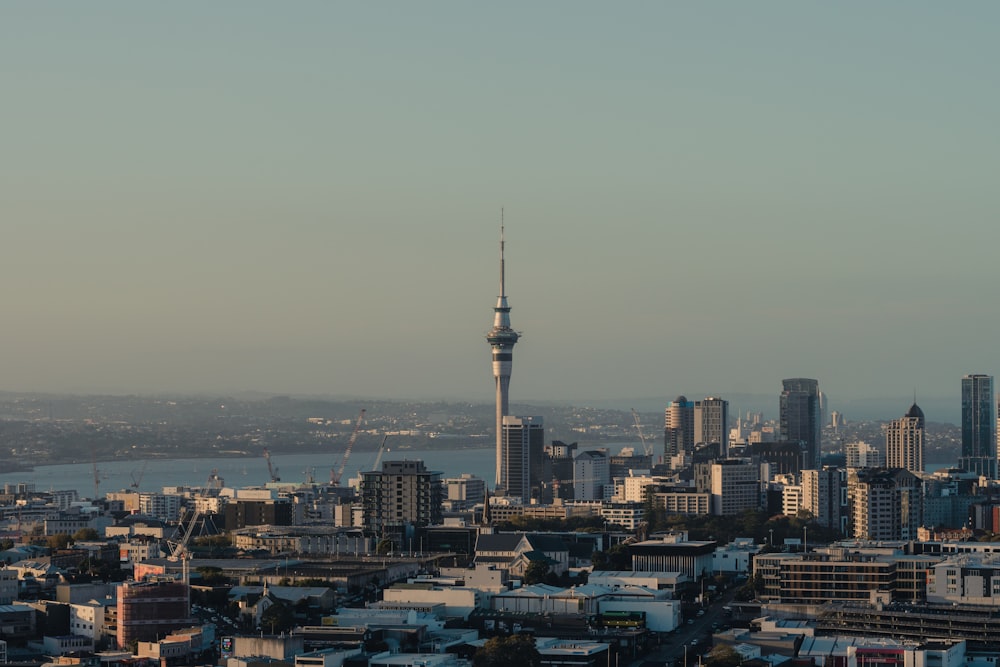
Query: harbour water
{"x":242,"y":471}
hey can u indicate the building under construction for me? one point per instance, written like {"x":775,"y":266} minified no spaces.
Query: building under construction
{"x":149,"y":610}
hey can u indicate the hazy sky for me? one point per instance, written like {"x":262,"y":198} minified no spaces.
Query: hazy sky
{"x":305,"y":197}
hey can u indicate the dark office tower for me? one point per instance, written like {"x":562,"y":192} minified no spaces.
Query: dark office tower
{"x":711,"y":423}
{"x":904,"y":441}
{"x":678,"y":427}
{"x":502,"y":339}
{"x":799,"y":418}
{"x":979,"y":453}
{"x":522,"y":448}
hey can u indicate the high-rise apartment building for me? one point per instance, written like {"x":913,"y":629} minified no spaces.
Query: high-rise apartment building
{"x":885,"y":503}
{"x":522,"y":449}
{"x":711,"y":423}
{"x":823,"y":495}
{"x":979,"y":448}
{"x":590,"y":475}
{"x":799,"y":416}
{"x":735,"y":486}
{"x":400,"y":497}
{"x":904,"y":441}
{"x":678,"y":427}
{"x":502,"y":339}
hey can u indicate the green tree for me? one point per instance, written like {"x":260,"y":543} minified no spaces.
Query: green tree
{"x":723,"y":655}
{"x":750,"y":589}
{"x":57,"y":541}
{"x":86,"y":535}
{"x":506,"y":651}
{"x":615,"y":558}
{"x":212,"y":576}
{"x":384,"y":546}
{"x":277,"y":618}
{"x":536,"y":572}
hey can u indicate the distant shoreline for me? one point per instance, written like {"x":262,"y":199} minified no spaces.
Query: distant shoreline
{"x":405,"y":449}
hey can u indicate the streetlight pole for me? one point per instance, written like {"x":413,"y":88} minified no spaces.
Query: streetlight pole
{"x":805,"y":542}
{"x":770,"y":542}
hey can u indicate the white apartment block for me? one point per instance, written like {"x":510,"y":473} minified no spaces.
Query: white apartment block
{"x":162,"y":506}
{"x":972,"y":579}
{"x":791,"y":499}
{"x":680,"y":502}
{"x":628,"y":515}
{"x":87,"y":619}
{"x":590,"y":475}
{"x":823,"y":495}
{"x":863,"y":455}
{"x":634,"y":488}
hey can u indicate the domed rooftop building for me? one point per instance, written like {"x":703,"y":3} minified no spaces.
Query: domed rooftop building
{"x":904,"y":441}
{"x":915,"y":413}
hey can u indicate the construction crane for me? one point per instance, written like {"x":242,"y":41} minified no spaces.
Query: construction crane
{"x":381,"y":451}
{"x":179,"y":550}
{"x":97,"y":474}
{"x":335,"y":475}
{"x":647,"y":448}
{"x":271,"y":469}
{"x":137,"y":479}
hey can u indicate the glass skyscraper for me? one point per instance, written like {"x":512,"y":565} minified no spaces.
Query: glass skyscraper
{"x":799,"y":417}
{"x":979,"y":448}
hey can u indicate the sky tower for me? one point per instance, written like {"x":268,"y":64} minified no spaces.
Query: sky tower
{"x":502,"y":339}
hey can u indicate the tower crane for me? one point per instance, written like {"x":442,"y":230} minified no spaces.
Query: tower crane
{"x":97,"y":474}
{"x":381,"y":451}
{"x":647,"y":449}
{"x":271,"y":469}
{"x":335,"y":475}
{"x":137,"y":478}
{"x":179,"y":550}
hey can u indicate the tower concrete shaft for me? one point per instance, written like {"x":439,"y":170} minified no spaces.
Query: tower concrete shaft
{"x":502,"y":339}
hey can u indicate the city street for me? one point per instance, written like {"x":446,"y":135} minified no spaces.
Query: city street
{"x":672,"y":650}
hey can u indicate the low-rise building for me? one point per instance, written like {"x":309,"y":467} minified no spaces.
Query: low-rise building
{"x":673,"y":552}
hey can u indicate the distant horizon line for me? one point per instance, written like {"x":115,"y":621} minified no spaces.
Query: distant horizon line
{"x":454,"y":399}
{"x":606,"y":402}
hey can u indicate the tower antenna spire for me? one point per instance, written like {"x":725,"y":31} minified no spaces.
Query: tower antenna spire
{"x":502,"y":292}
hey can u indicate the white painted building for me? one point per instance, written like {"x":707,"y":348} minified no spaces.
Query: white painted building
{"x":735,"y":486}
{"x":657,"y":581}
{"x":591,"y":473}
{"x":87,"y":619}
{"x":735,"y":557}
{"x":967,"y":579}
{"x":628,"y":515}
{"x":791,"y":499}
{"x":863,"y":455}
{"x":458,"y":601}
{"x":661,"y":615}
{"x":633,"y":489}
